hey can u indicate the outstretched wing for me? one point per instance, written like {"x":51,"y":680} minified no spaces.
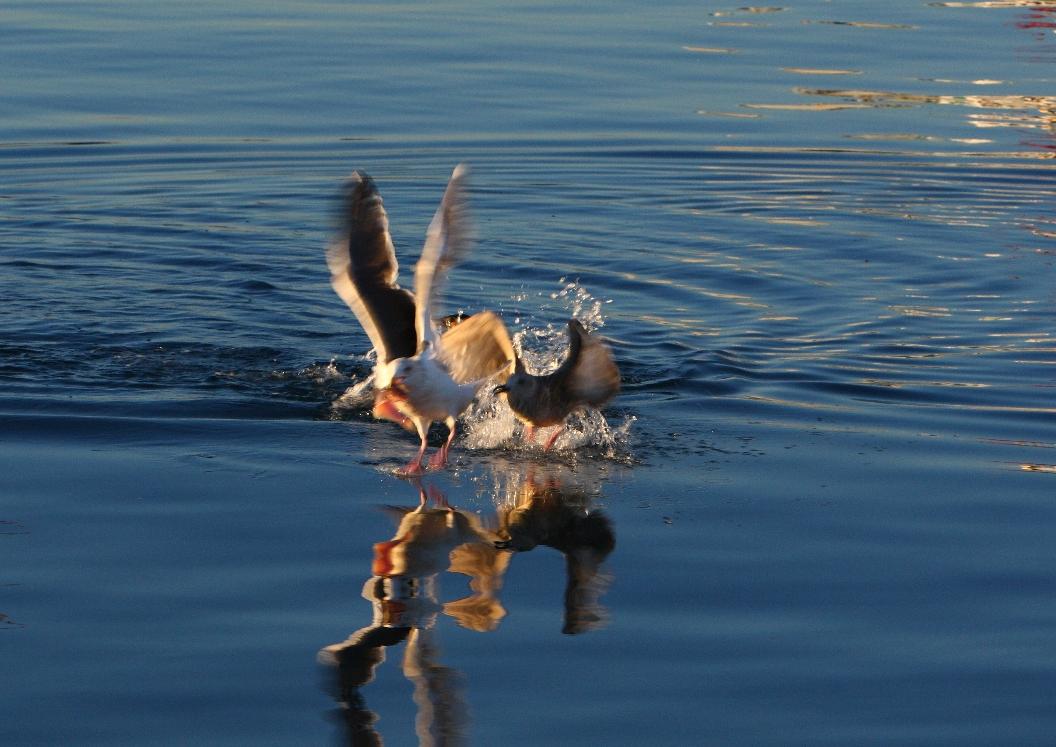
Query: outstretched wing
{"x":447,"y":240}
{"x":363,"y":271}
{"x":594,"y":377}
{"x":476,"y":348}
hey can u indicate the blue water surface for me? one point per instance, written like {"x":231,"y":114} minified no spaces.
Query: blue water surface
{"x":818,"y":237}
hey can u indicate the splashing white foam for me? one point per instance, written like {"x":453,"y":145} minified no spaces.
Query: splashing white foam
{"x":356,"y":397}
{"x":580,"y":304}
{"x":321,"y":374}
{"x":490,"y":424}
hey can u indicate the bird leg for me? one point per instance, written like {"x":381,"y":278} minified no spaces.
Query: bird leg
{"x":529,"y":433}
{"x":438,"y":498}
{"x":553,"y":437}
{"x":439,"y":460}
{"x":414,"y":467}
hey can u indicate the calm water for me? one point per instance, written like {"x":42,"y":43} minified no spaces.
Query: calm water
{"x":820,"y":238}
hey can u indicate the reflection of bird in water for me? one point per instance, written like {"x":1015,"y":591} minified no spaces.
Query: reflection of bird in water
{"x":420,"y":376}
{"x":587,"y":377}
{"x":545,"y":515}
{"x":424,"y":538}
{"x":403,"y":591}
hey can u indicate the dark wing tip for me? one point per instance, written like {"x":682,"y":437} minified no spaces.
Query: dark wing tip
{"x":363,"y":269}
{"x":359,"y":200}
{"x":592,"y":373}
{"x":576,"y":327}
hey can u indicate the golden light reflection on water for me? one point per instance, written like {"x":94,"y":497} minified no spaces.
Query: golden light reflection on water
{"x":978,"y":82}
{"x":1044,"y":106}
{"x":1027,"y":155}
{"x":1039,"y":4}
{"x":809,"y":222}
{"x":819,"y":71}
{"x":689,"y":288}
{"x":809,"y":107}
{"x":894,"y":384}
{"x":710,"y":50}
{"x":692,"y":327}
{"x":891,"y":136}
{"x":732,"y":115}
{"x":922,"y":311}
{"x":798,"y":404}
{"x":869,"y":25}
{"x":1018,"y":442}
{"x":1017,"y":111}
{"x":751,"y":9}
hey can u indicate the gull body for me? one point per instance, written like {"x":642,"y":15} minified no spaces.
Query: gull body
{"x":421,"y":376}
{"x":587,"y":377}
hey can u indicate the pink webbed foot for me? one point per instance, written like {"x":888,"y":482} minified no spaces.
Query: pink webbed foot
{"x":439,"y":459}
{"x":553,"y":437}
{"x":414,"y":467}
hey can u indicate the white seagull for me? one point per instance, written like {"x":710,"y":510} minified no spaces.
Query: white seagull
{"x":420,"y":376}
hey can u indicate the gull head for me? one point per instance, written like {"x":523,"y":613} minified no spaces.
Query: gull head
{"x":408,"y":375}
{"x":518,"y":382}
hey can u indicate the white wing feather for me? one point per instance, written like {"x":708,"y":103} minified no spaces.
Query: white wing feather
{"x":446,"y":241}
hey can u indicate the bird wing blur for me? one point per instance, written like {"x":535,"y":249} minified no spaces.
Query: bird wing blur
{"x":477,"y":348}
{"x":363,"y":270}
{"x":593,"y":377}
{"x":447,"y":240}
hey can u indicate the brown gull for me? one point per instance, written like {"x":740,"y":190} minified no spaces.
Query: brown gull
{"x":587,"y":377}
{"x":420,"y":375}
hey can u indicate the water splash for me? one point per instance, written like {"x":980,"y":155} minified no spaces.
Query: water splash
{"x":323,"y":373}
{"x":360,"y":395}
{"x":581,"y":304}
{"x":357,"y":397}
{"x":490,"y":424}
{"x":542,"y":345}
